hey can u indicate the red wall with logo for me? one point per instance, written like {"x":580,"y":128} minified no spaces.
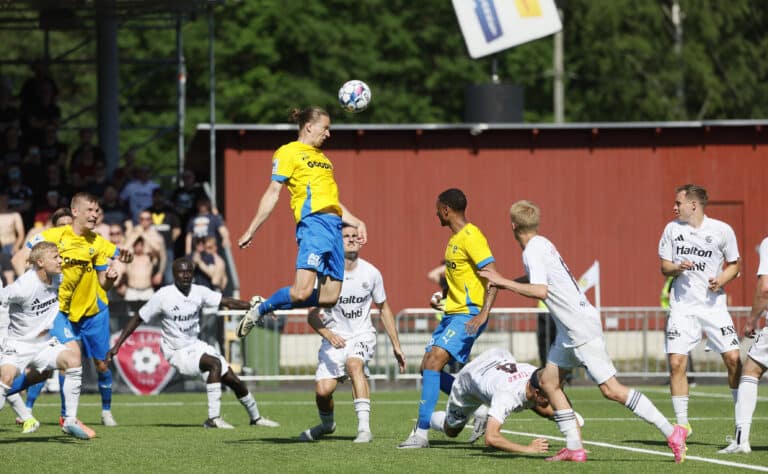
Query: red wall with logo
{"x":605,"y":194}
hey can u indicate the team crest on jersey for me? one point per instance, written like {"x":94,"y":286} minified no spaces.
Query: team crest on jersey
{"x":366,"y":286}
{"x":91,"y":251}
{"x":708,"y":239}
{"x":140,"y":361}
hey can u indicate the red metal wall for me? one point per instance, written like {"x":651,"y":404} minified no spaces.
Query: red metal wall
{"x":605,"y":194}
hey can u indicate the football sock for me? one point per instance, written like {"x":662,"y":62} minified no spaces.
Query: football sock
{"x":680,"y":405}
{"x":645,"y":409}
{"x":105,"y":388}
{"x":214,"y":399}
{"x":446,"y":382}
{"x":430,"y":391}
{"x":437,"y":420}
{"x":363,"y":410}
{"x":326,"y":418}
{"x":33,"y":391}
{"x":19,"y":407}
{"x":3,"y":390}
{"x":745,"y":407}
{"x":70,"y":391}
{"x":569,"y":427}
{"x":250,"y":406}
{"x":281,"y":299}
{"x":19,"y":384}
{"x":61,"y":392}
{"x":735,"y":394}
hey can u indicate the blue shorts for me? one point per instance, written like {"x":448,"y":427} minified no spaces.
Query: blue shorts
{"x":451,"y":335}
{"x":93,"y":331}
{"x":321,"y":248}
{"x":62,"y":329}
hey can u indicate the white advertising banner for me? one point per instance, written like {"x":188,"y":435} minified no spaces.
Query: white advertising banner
{"x":490,"y":26}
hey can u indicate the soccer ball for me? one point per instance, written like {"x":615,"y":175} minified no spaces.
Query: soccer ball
{"x":354,"y":96}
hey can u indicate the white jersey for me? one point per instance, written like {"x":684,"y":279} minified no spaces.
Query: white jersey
{"x":575,"y":317}
{"x":707,"y":247}
{"x":180,"y":312}
{"x":499,"y":381}
{"x":351,"y":316}
{"x":763,"y":268}
{"x":31,"y":304}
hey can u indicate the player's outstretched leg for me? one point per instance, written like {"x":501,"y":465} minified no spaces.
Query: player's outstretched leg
{"x":246,"y":400}
{"x":324,"y":400}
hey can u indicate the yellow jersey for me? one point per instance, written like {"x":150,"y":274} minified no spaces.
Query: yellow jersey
{"x":466,"y":253}
{"x":83,"y":256}
{"x":308,"y":174}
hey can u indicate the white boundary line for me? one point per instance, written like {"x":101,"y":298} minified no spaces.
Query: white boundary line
{"x":645,"y":451}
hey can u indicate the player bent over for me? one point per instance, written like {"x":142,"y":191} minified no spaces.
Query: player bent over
{"x":349,"y":340}
{"x":579,"y":340}
{"x":179,"y":307}
{"x":496,"y":379}
{"x":32,"y":301}
{"x":756,"y":363}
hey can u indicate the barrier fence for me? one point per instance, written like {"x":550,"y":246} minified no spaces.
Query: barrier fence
{"x":286,"y":349}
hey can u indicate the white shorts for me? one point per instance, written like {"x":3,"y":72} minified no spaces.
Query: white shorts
{"x":684,"y":331}
{"x":591,"y":355}
{"x":759,"y":350}
{"x":332,"y":362}
{"x":40,"y":354}
{"x":461,"y":402}
{"x":187,"y":359}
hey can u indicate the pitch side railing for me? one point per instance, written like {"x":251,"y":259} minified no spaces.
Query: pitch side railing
{"x":286,"y":349}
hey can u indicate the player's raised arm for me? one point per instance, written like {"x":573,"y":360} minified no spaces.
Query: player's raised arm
{"x":349,"y":218}
{"x":266,"y":206}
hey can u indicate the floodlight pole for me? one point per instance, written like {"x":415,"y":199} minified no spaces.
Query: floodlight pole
{"x":212,"y":105}
{"x":181,"y":106}
{"x":558,"y":87}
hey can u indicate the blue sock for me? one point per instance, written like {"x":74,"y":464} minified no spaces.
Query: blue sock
{"x":282,"y":300}
{"x":105,"y":388}
{"x":61,"y":392}
{"x":446,"y":382}
{"x":19,"y":383}
{"x":33,"y":392}
{"x":430,"y":391}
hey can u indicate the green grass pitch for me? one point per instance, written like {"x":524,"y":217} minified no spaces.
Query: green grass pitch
{"x":164,"y":434}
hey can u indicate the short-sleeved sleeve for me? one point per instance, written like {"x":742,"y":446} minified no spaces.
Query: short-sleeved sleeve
{"x":502,"y":405}
{"x":666,"y":249}
{"x":478,"y":250}
{"x":151,"y":308}
{"x":379,"y":295}
{"x":763,"y":268}
{"x":282,"y":166}
{"x":730,"y":245}
{"x":211,"y":299}
{"x":535,"y":265}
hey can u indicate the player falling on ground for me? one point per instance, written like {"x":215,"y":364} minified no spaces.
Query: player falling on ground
{"x":178,"y":305}
{"x":32,"y":303}
{"x":579,"y":340}
{"x":466,"y":309}
{"x":756,"y":363}
{"x":349,"y":340}
{"x":496,"y":379}
{"x":693,"y":249}
{"x":308,"y":174}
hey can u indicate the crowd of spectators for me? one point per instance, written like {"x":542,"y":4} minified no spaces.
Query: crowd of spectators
{"x":39,"y":174}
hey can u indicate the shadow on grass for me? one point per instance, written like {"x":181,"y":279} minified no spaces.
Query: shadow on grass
{"x":290,"y":440}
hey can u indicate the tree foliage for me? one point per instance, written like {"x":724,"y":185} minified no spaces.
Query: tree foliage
{"x":620,"y":64}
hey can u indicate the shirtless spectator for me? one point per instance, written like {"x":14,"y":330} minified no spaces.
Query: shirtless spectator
{"x":11,"y":227}
{"x":138,"y":274}
{"x":154,"y":245}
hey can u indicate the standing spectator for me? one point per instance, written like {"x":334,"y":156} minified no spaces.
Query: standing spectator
{"x":56,"y":179}
{"x":154,"y":245}
{"x":83,"y":172}
{"x":86,"y":143}
{"x":138,"y":193}
{"x":126,"y":173}
{"x":206,"y":224}
{"x":7,"y":274}
{"x":11,"y":153}
{"x":51,"y":149}
{"x":20,"y":197}
{"x":31,"y":170}
{"x":36,"y":118}
{"x":30,"y":94}
{"x":209,"y":265}
{"x":11,"y":227}
{"x":167,"y":224}
{"x":138,"y":274}
{"x":44,"y":211}
{"x":186,"y":196}
{"x":115,"y":211}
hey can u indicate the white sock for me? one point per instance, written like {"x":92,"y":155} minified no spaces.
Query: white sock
{"x":3,"y":390}
{"x":18,"y":405}
{"x":680,"y":405}
{"x":745,"y":407}
{"x":73,"y":380}
{"x":735,"y":394}
{"x":566,"y":423}
{"x":214,"y":399}
{"x":422,"y":433}
{"x":250,"y":405}
{"x":363,"y":410}
{"x":437,"y":421}
{"x":645,"y":409}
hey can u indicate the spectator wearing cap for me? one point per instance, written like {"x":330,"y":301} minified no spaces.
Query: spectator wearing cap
{"x":138,"y":193}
